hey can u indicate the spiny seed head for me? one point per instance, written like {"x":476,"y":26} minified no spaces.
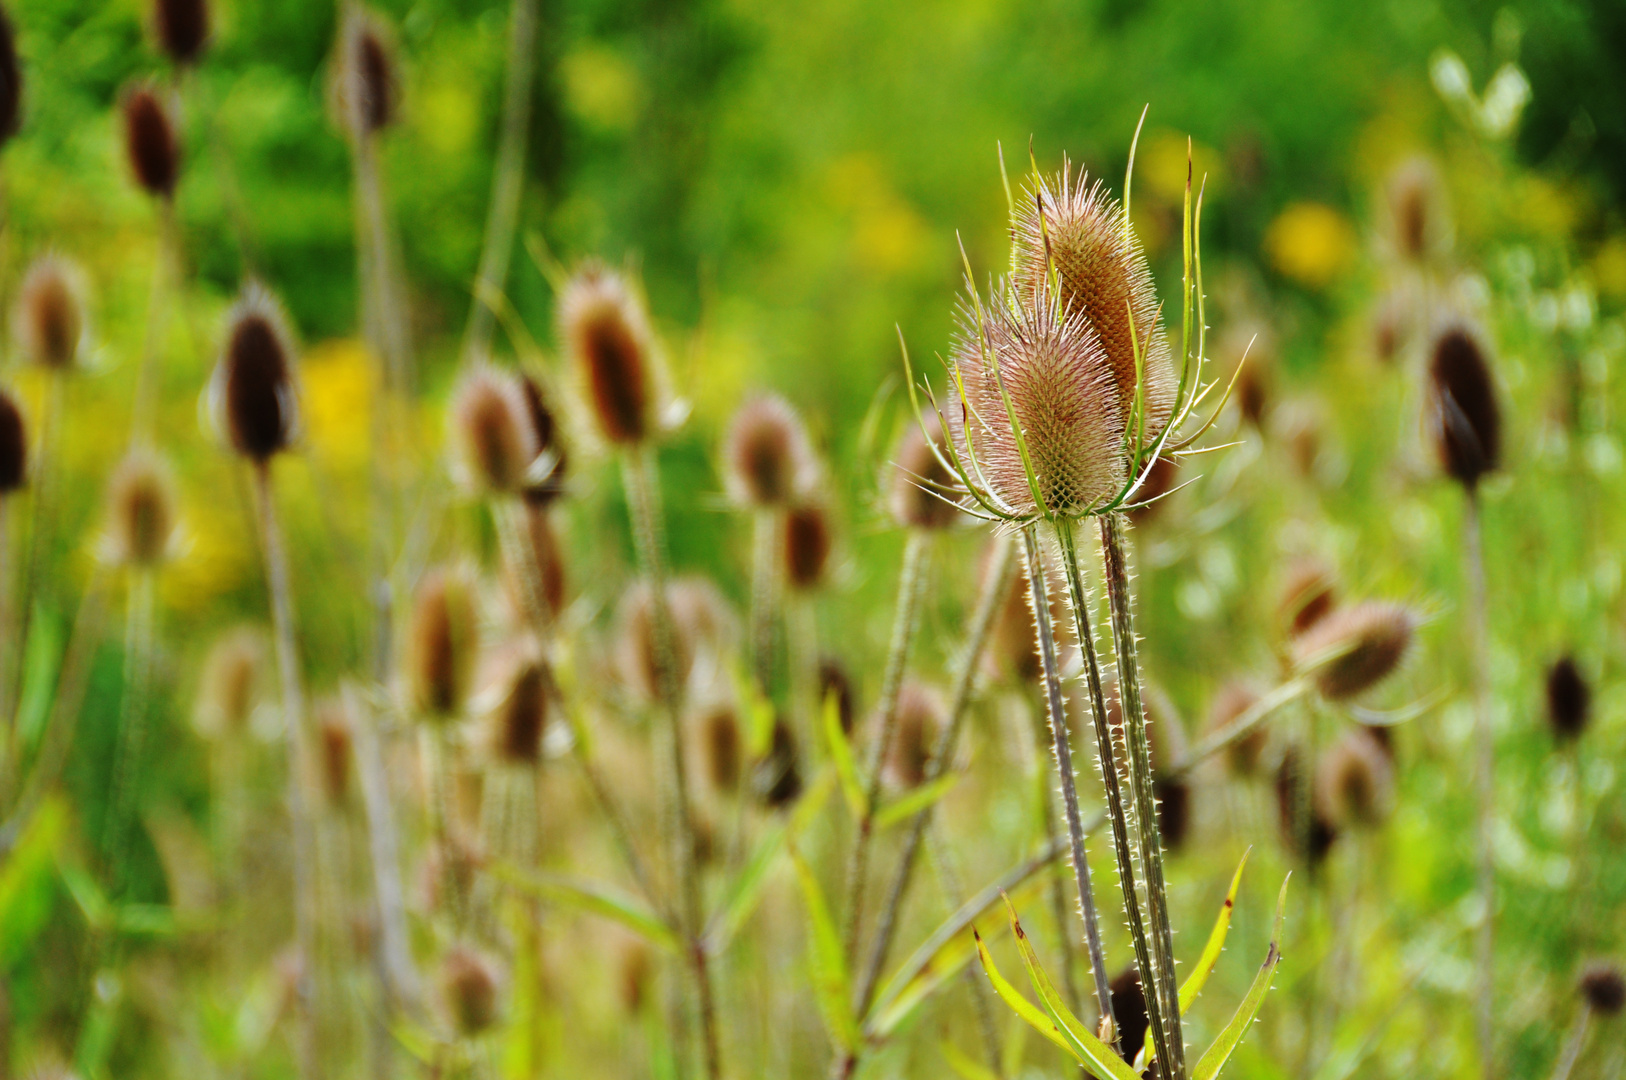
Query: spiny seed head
{"x":182,"y":27}
{"x":1234,"y":699}
{"x":548,"y":557}
{"x":442,"y":642}
{"x":1075,"y":225}
{"x":518,"y":710}
{"x":1355,"y":785}
{"x":1309,"y":594}
{"x":1355,"y":648}
{"x":1604,"y":988}
{"x":778,"y":775}
{"x":1465,"y":417}
{"x":253,"y":391}
{"x":140,"y":511}
{"x":806,"y":545}
{"x":335,"y":736}
{"x":151,"y":143}
{"x":607,"y":336}
{"x":1417,"y":224}
{"x":1063,"y":393}
{"x":919,"y":719}
{"x":49,"y":322}
{"x":469,"y":985}
{"x":767,"y":458}
{"x":232,"y":674}
{"x":1569,"y":699}
{"x":701,"y":623}
{"x":13,"y":446}
{"x":835,"y":682}
{"x":365,"y":84}
{"x":920,"y":487}
{"x":721,"y":752}
{"x":545,"y":431}
{"x":11,"y":82}
{"x":492,"y":428}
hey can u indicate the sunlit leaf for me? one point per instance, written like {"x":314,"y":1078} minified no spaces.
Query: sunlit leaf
{"x":1231,"y":1036}
{"x":594,"y":898}
{"x":1022,"y":1006}
{"x":830,"y":984}
{"x":26,"y":882}
{"x":842,"y":754}
{"x":1216,"y":942}
{"x":918,"y":799}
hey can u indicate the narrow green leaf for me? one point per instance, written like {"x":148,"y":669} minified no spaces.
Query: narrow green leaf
{"x":93,"y":905}
{"x":1216,"y":941}
{"x":27,"y":889}
{"x":963,"y":1066}
{"x":745,"y":891}
{"x":1231,"y":1036}
{"x":152,"y":920}
{"x":841,"y":752}
{"x":594,"y":898}
{"x":830,"y":983}
{"x":1023,"y":1007}
{"x":918,"y":799}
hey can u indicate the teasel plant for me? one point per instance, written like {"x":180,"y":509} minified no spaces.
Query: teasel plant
{"x":1602,"y":990}
{"x":1064,"y":398}
{"x":152,"y":144}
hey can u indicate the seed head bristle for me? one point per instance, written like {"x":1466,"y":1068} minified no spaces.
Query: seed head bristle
{"x":721,"y":751}
{"x":546,"y":433}
{"x":1416,"y":203}
{"x":834,"y":680}
{"x":49,"y":322}
{"x":140,"y":511}
{"x":1309,"y":594}
{"x":1355,"y":784}
{"x":778,"y":774}
{"x":231,"y":681}
{"x":335,"y":736}
{"x":920,"y":488}
{"x":469,"y":985}
{"x":1569,"y":699}
{"x":606,"y":334}
{"x":253,"y":392}
{"x":1234,"y":699}
{"x":807,"y":544}
{"x":367,"y":88}
{"x":919,"y":718}
{"x":441,"y":644}
{"x":1355,"y":648}
{"x":13,"y":446}
{"x":767,"y":458}
{"x":151,"y":142}
{"x":1603,"y":987}
{"x":1465,"y":416}
{"x":492,"y":428}
{"x":11,"y":81}
{"x":182,"y":27}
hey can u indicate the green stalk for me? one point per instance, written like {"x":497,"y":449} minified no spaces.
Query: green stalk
{"x":764,"y":596}
{"x":132,"y":731}
{"x":1047,"y":826}
{"x":1165,"y":988}
{"x":1573,"y":1046}
{"x":1485,"y":788}
{"x":37,"y":573}
{"x":951,"y":883}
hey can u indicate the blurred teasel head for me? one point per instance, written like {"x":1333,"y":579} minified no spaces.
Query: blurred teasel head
{"x":1417,"y":225}
{"x":252,"y":391}
{"x":1013,"y":644}
{"x":835,"y":683}
{"x":140,"y":512}
{"x":49,"y":320}
{"x":607,"y":336}
{"x":1355,"y":783}
{"x":492,"y":428}
{"x":920,"y":717}
{"x":468,"y":984}
{"x":1569,"y":699}
{"x":721,"y":747}
{"x":547,"y":555}
{"x":806,"y":545}
{"x":517,"y":710}
{"x":701,"y":623}
{"x":778,"y":773}
{"x":365,"y":88}
{"x":151,"y":142}
{"x":182,"y":27}
{"x":767,"y":458}
{"x":921,"y":490}
{"x":545,"y":430}
{"x":1234,"y":699}
{"x":13,"y":446}
{"x":232,"y":674}
{"x":335,"y":736}
{"x":1465,"y":418}
{"x":1309,"y":593}
{"x":1603,"y":988}
{"x":443,"y":638}
{"x":1354,"y":648}
{"x":11,"y":81}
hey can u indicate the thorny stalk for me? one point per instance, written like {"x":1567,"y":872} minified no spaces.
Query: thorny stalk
{"x":395,"y":956}
{"x":1484,"y":786}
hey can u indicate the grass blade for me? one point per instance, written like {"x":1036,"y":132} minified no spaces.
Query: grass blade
{"x":1215,"y":1057}
{"x":594,"y":898}
{"x":841,"y":753}
{"x":907,"y":806}
{"x":1021,"y":1005}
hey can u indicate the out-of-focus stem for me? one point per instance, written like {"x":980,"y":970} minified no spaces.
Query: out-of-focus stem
{"x":36,"y":575}
{"x":1059,"y":907}
{"x":138,"y":656}
{"x":399,"y":976}
{"x":146,"y":387}
{"x":1240,"y":727}
{"x":1573,"y":1045}
{"x":952,"y":886}
{"x":764,"y":596}
{"x":1484,"y":786}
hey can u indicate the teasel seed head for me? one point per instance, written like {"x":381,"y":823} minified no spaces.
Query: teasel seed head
{"x":366,"y":88}
{"x":1309,"y":594}
{"x":140,"y":511}
{"x":1080,"y":229}
{"x":1234,"y":699}
{"x":767,"y":458}
{"x":778,"y":774}
{"x":11,"y":81}
{"x":1465,"y":417}
{"x":1355,"y":785}
{"x":545,"y":549}
{"x":232,"y":674}
{"x":49,"y":323}
{"x":545,"y":430}
{"x":13,"y":446}
{"x":517,"y":710}
{"x":1355,"y":648}
{"x":1416,"y":203}
{"x":701,"y":623}
{"x":920,"y":717}
{"x":182,"y":27}
{"x":806,"y":545}
{"x":920,"y":489}
{"x":492,"y":428}
{"x":469,"y":984}
{"x":1569,"y":699}
{"x":721,"y":751}
{"x":252,"y":391}
{"x":1603,"y":987}
{"x":1060,"y":382}
{"x":335,"y":744}
{"x":151,"y":142}
{"x":606,"y":333}
{"x":443,"y":639}
{"x":835,"y":682}
{"x":1322,"y":832}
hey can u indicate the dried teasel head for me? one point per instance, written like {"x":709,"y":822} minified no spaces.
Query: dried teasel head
{"x":182,"y":28}
{"x":1603,"y":988}
{"x":834,"y":682}
{"x":546,"y":431}
{"x":468,"y":984}
{"x":232,"y":674}
{"x":1355,"y":782}
{"x":720,"y":745}
{"x":1309,"y":593}
{"x":1232,"y":700}
{"x":1569,"y":699}
{"x":767,"y":457}
{"x":442,"y":642}
{"x":151,"y":142}
{"x":252,"y":392}
{"x":1417,"y":225}
{"x":806,"y":545}
{"x":364,"y":83}
{"x":140,"y":511}
{"x":517,"y":705}
{"x":49,"y":320}
{"x":606,"y":333}
{"x":1355,"y":648}
{"x":492,"y":429}
{"x":701,"y":624}
{"x":920,"y":490}
{"x":1465,"y":419}
{"x":920,"y":717}
{"x":13,"y":446}
{"x":1072,"y":224}
{"x":335,"y":736}
{"x":777,"y":776}
{"x":11,"y":81}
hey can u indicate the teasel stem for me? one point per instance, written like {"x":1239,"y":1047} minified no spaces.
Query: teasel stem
{"x":40,"y":539}
{"x":1172,"y":1057}
{"x":643,"y":494}
{"x":952,"y":884}
{"x":802,"y":639}
{"x":911,"y":583}
{"x":399,"y":978}
{"x":1484,"y":785}
{"x":436,"y":751}
{"x":14,"y":644}
{"x":764,"y":595}
{"x":293,"y":705}
{"x":508,"y":181}
{"x":146,"y":387}
{"x":1059,"y":908}
{"x":132,"y":730}
{"x":1573,"y":1045}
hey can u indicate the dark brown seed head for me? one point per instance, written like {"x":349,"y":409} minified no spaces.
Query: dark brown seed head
{"x":11,"y":82}
{"x":1234,"y":699}
{"x":1309,"y":594}
{"x":921,"y":488}
{"x":151,"y":142}
{"x":1569,"y":699}
{"x":253,"y":390}
{"x":548,"y":557}
{"x":230,"y":683}
{"x":919,"y":719}
{"x":49,"y":323}
{"x":701,"y":622}
{"x":720,"y":747}
{"x":767,"y":459}
{"x":834,"y":682}
{"x":778,"y":775}
{"x":1355,"y":648}
{"x":140,"y":511}
{"x":13,"y":446}
{"x":1604,"y":988}
{"x":545,"y":431}
{"x":518,"y":716}
{"x":1416,"y":210}
{"x":806,"y":546}
{"x":469,"y":984}
{"x":334,"y":735}
{"x":367,"y":89}
{"x":606,"y":334}
{"x":1355,"y":784}
{"x":441,"y":644}
{"x":1465,"y":417}
{"x":493,"y":431}
{"x":182,"y":27}
{"x":1129,"y":1007}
